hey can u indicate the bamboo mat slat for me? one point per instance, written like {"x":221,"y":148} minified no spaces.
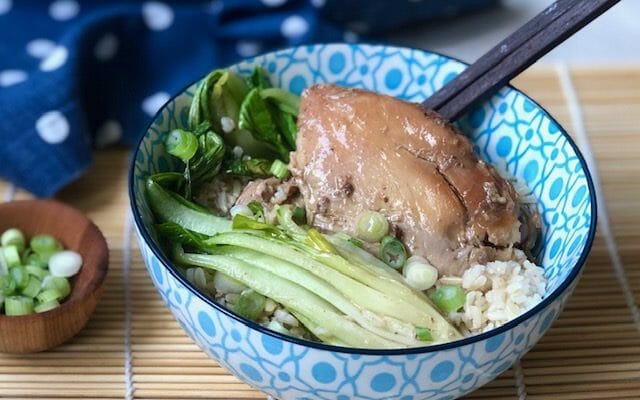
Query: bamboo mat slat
{"x":591,"y":352}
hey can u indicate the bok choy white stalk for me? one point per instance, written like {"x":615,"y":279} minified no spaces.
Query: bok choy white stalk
{"x":319,"y":312}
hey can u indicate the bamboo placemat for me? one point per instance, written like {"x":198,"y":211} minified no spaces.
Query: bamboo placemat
{"x":133,"y":349}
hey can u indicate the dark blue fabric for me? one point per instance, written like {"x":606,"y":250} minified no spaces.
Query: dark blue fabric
{"x":75,"y":75}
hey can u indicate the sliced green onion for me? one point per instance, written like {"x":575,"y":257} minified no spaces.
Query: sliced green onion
{"x":13,"y":237}
{"x":20,"y":276}
{"x":36,"y":271}
{"x":32,"y":259}
{"x":424,"y":334}
{"x":65,"y":263}
{"x":48,"y":306}
{"x":419,"y":274}
{"x":33,"y":287}
{"x":48,"y":295}
{"x":61,"y":285}
{"x":45,"y":246}
{"x":371,"y":226}
{"x":26,"y":274}
{"x":11,"y":255}
{"x":182,"y":144}
{"x":279,"y":169}
{"x":18,"y":305}
{"x":7,"y":285}
{"x":318,"y":241}
{"x":392,"y":252}
{"x":449,"y":298}
{"x":250,"y":304}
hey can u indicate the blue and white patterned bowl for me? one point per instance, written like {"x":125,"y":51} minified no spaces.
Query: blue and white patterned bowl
{"x":509,"y":130}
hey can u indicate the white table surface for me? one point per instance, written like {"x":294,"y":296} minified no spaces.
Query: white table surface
{"x":612,"y":39}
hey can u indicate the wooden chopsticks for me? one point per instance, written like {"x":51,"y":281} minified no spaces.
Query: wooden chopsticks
{"x":514,"y":54}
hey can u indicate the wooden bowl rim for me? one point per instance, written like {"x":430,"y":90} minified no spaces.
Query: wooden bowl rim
{"x":99,"y":269}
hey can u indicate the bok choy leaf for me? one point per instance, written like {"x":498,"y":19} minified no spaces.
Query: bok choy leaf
{"x":168,"y":206}
{"x":256,"y":117}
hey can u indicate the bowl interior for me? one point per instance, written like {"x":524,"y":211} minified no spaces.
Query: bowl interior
{"x":36,"y":332}
{"x":509,"y":130}
{"x":72,"y":228}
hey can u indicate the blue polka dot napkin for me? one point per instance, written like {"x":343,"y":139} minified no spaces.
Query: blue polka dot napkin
{"x":78,"y":75}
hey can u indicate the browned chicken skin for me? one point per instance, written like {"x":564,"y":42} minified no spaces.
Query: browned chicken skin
{"x":358,"y":150}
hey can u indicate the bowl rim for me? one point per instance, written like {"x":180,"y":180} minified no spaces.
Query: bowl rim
{"x":549,"y":299}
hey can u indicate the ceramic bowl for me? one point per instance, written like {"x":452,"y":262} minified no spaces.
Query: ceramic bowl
{"x":509,"y":130}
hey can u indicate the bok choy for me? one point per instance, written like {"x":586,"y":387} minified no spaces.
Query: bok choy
{"x":242,"y":127}
{"x":269,"y":259}
{"x":342,"y":294}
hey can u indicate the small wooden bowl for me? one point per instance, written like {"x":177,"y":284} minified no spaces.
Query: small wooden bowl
{"x":38,"y":332}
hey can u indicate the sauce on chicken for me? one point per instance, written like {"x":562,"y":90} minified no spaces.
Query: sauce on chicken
{"x":358,"y":150}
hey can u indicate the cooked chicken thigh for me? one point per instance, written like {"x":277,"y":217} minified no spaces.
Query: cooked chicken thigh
{"x":358,"y":150}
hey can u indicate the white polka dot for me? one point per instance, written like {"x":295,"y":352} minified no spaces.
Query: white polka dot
{"x":273,"y":3}
{"x":215,"y":6}
{"x":64,"y":10}
{"x":55,"y":60}
{"x":152,"y":104}
{"x":52,"y":127}
{"x":294,"y":26}
{"x":5,"y":6}
{"x":247,"y":48}
{"x":12,"y":77}
{"x":318,"y":3}
{"x":107,"y":47}
{"x":350,"y":37}
{"x":109,"y":133}
{"x":40,"y":48}
{"x":158,"y":16}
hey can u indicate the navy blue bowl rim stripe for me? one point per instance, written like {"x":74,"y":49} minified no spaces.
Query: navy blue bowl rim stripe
{"x":363,"y":351}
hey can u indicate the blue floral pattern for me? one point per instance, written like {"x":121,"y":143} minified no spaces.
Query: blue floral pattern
{"x":509,"y":130}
